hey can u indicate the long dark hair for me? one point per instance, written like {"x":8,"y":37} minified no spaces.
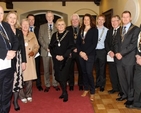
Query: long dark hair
{"x":92,"y":21}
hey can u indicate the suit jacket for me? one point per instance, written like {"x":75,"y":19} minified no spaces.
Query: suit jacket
{"x":44,"y":39}
{"x":21,"y":48}
{"x":12,"y":38}
{"x":91,"y":39}
{"x":127,"y":47}
{"x":110,"y":40}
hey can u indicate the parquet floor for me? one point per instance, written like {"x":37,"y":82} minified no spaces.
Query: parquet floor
{"x":106,"y":103}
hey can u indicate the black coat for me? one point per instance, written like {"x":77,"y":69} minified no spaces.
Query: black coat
{"x":61,"y":68}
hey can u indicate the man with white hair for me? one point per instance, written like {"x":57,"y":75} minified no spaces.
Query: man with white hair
{"x":45,"y":33}
{"x":74,"y":29}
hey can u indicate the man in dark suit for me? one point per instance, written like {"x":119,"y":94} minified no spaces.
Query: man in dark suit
{"x":8,"y":48}
{"x":125,"y":50}
{"x":109,"y":44}
{"x":35,"y":29}
{"x":137,"y":79}
{"x":74,"y":29}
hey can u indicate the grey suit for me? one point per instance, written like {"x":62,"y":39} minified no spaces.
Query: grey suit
{"x":125,"y":66}
{"x":44,"y":42}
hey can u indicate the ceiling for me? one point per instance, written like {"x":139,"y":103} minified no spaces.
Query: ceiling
{"x":9,"y":3}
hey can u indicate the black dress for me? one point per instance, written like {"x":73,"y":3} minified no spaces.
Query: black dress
{"x":61,"y":46}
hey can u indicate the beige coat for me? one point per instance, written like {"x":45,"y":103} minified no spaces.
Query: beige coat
{"x":31,"y":44}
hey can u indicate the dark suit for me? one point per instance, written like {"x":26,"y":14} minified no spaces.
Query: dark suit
{"x":137,"y":81}
{"x":109,"y":45}
{"x":6,"y":75}
{"x":74,"y":58}
{"x":126,"y":66}
{"x":37,"y":60}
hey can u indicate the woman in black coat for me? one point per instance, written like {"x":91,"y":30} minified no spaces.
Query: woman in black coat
{"x":60,"y":47}
{"x":86,"y":44}
{"x":12,"y":19}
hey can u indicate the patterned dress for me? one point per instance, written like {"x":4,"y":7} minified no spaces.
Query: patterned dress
{"x":20,"y":58}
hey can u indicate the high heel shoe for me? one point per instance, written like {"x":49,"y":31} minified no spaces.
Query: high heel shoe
{"x":16,"y":106}
{"x":92,"y":97}
{"x":65,"y":98}
{"x":61,"y":96}
{"x":84,"y":93}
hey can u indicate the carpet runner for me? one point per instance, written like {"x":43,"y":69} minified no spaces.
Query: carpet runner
{"x":48,"y":102}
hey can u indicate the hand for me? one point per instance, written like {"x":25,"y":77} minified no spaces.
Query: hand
{"x":10,"y":54}
{"x":83,"y":55}
{"x":59,"y":57}
{"x":31,"y":54}
{"x":111,"y":54}
{"x":75,"y":50}
{"x":23,"y":66}
{"x":119,"y":56}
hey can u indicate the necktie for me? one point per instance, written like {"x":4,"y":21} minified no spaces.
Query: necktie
{"x":124,"y":31}
{"x":5,"y":38}
{"x":75,"y":30}
{"x":31,"y":29}
{"x":115,"y":32}
{"x":50,"y":27}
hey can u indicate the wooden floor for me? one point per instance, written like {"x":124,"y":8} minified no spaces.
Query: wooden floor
{"x":106,"y":103}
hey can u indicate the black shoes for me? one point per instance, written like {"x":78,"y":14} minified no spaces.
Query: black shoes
{"x":133,"y":107}
{"x":120,"y":99}
{"x":101,"y":89}
{"x":81,"y":88}
{"x":97,"y":86}
{"x":71,"y":88}
{"x":47,"y":89}
{"x":120,"y":94}
{"x":64,"y":96}
{"x":112,"y":91}
{"x":56,"y":88}
{"x":16,"y":106}
{"x":128,"y":103}
{"x":39,"y":88}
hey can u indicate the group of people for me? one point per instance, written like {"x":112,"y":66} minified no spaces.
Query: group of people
{"x":88,"y":44}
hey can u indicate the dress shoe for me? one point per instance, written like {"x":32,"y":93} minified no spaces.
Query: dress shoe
{"x":29,"y":99}
{"x":56,"y":88}
{"x":120,"y":99}
{"x":101,"y":89}
{"x":84,"y":93}
{"x":16,"y":106}
{"x":112,"y":91}
{"x":24,"y":100}
{"x":71,"y":88}
{"x":81,"y":88}
{"x":39,"y":88}
{"x":97,"y":86}
{"x":46,"y":89}
{"x":92,"y":97}
{"x":120,"y":94}
{"x":128,"y":102}
{"x":133,"y":107}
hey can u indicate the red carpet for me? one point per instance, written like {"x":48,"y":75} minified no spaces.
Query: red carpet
{"x":48,"y":102}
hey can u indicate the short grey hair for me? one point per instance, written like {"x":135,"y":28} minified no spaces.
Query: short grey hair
{"x":75,"y":14}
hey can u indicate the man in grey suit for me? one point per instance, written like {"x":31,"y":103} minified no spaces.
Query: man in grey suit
{"x":45,"y":33}
{"x":125,"y":49}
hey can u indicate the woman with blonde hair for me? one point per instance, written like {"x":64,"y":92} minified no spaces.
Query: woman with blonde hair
{"x":29,"y":74}
{"x":12,"y":19}
{"x":60,"y":47}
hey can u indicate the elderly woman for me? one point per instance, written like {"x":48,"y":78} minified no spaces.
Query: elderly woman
{"x":29,"y":74}
{"x":12,"y":19}
{"x":60,"y":47}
